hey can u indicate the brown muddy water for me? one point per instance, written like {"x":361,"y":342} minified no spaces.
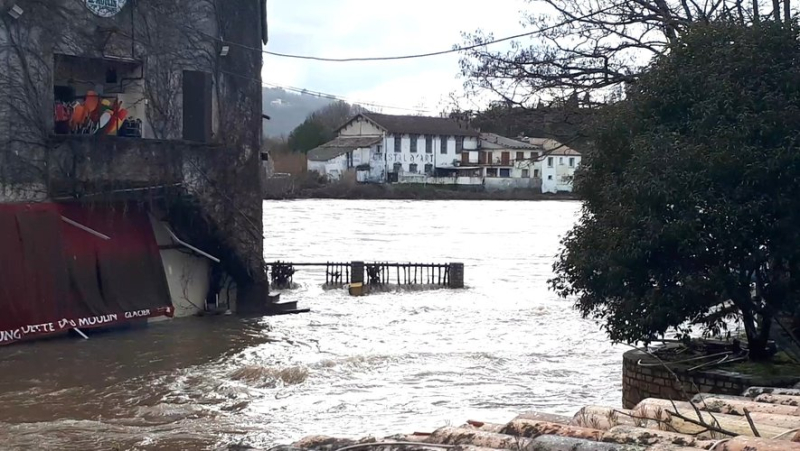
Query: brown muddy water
{"x":381,"y":364}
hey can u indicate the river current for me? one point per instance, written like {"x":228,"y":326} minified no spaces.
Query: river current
{"x":394,"y":362}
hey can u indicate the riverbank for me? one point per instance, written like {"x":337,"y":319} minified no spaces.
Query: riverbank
{"x":342,"y":190}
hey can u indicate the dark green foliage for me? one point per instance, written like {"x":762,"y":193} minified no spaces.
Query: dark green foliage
{"x":321,"y":125}
{"x":692,"y":191}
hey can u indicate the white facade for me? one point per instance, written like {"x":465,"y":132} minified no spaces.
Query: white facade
{"x":336,"y":167}
{"x":558,"y":170}
{"x":400,"y":156}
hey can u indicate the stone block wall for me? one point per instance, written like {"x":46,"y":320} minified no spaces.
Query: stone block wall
{"x":645,"y":377}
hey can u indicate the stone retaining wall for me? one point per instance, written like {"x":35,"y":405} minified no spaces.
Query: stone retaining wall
{"x":644,"y":377}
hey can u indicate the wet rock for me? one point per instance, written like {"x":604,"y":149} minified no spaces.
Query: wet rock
{"x":783,"y":400}
{"x":752,"y":392}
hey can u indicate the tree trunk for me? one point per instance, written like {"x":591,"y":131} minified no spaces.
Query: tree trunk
{"x":756,"y":17}
{"x":787,"y":11}
{"x":776,"y":10}
{"x":758,"y":346}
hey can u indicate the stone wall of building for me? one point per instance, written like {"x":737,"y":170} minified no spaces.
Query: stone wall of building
{"x":216,"y":200}
{"x":645,"y":377}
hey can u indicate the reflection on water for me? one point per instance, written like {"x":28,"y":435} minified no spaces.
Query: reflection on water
{"x":386,"y":363}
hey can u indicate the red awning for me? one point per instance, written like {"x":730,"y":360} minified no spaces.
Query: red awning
{"x":56,"y":276}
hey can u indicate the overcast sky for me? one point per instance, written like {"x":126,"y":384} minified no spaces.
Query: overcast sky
{"x":360,"y":28}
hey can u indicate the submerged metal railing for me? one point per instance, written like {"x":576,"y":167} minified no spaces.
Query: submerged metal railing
{"x":450,"y":275}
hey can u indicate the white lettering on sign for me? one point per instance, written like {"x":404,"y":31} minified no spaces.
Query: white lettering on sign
{"x":137,"y":314}
{"x":97,"y":320}
{"x":7,"y":336}
{"x":105,"y":8}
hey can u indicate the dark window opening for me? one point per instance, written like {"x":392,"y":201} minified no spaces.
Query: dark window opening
{"x":414,"y":141}
{"x":520,"y":156}
{"x":398,"y":167}
{"x":549,"y":177}
{"x":397,"y":142}
{"x":459,"y":143}
{"x":525,"y":173}
{"x":429,"y":169}
{"x":505,"y":173}
{"x":412,"y":168}
{"x":428,"y":144}
{"x":491,"y":172}
{"x":349,"y":160}
{"x":536,"y":173}
{"x":443,"y":144}
{"x":196,"y":106}
{"x":572,"y":162}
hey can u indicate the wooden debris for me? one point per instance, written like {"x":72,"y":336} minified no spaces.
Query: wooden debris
{"x":783,"y":400}
{"x":760,"y":418}
{"x":605,"y":418}
{"x":532,"y":428}
{"x":472,"y":437}
{"x":736,"y":405}
{"x":645,"y":436}
{"x":752,"y":392}
{"x":706,"y":425}
{"x":556,"y":443}
{"x":756,"y":444}
{"x":548,"y":417}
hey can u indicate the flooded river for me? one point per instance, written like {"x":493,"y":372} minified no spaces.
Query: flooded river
{"x":385,"y":363}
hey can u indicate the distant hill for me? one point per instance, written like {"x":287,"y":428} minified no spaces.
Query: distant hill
{"x":287,"y":110}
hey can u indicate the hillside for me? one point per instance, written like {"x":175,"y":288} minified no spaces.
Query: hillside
{"x":287,"y":110}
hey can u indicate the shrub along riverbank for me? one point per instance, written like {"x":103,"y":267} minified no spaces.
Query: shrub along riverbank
{"x":310,"y":189}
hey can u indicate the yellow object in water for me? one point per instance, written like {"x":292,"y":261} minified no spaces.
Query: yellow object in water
{"x":356,"y":289}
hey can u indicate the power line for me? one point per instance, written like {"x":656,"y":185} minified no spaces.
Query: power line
{"x":401,"y":57}
{"x":322,"y":94}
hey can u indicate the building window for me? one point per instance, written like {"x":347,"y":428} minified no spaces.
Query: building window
{"x":549,"y":177}
{"x":414,"y":140}
{"x":459,"y":143}
{"x":525,"y":173}
{"x":398,"y":167}
{"x":505,"y":172}
{"x":549,"y":162}
{"x":443,"y":144}
{"x":520,"y":156}
{"x":534,"y":155}
{"x":560,"y":161}
{"x":349,"y":160}
{"x":429,"y":144}
{"x":491,"y":172}
{"x":429,"y":169}
{"x":572,"y":162}
{"x":106,"y":97}
{"x":412,"y":168}
{"x":398,"y":139}
{"x":378,"y":148}
{"x":536,"y":173}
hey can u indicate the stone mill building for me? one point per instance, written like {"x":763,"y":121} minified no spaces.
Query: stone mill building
{"x":129,"y":165}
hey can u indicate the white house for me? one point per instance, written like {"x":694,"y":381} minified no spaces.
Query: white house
{"x":386,"y":148}
{"x":344,"y":153}
{"x":558,"y":169}
{"x":509,"y":163}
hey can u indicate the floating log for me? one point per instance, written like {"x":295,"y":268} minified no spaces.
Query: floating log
{"x":605,"y":418}
{"x":733,"y":406}
{"x":756,"y":444}
{"x":645,"y":436}
{"x":752,"y":392}
{"x":483,"y":426}
{"x":759,"y":418}
{"x":532,"y":428}
{"x":558,"y":443}
{"x":549,"y":417}
{"x":655,"y":409}
{"x":783,"y":400}
{"x":472,"y":437}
